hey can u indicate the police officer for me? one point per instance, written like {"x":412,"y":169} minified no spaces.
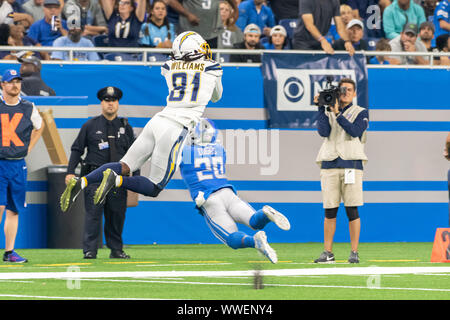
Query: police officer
{"x":107,"y":138}
{"x":21,"y":127}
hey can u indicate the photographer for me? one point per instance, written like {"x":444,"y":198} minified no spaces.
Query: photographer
{"x":343,"y":127}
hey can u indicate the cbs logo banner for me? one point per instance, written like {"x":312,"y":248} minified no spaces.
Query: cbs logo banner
{"x":296,"y":88}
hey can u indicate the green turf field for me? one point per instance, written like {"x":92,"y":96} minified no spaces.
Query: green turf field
{"x":393,"y":271}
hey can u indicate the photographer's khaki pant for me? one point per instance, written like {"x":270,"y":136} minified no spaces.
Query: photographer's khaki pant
{"x":334,"y":189}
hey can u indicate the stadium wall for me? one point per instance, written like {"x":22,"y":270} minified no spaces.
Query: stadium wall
{"x":405,"y":185}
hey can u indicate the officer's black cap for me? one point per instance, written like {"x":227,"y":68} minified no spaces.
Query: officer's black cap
{"x":109,"y":92}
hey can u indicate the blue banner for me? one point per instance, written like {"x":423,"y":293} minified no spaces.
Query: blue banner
{"x":291,"y":81}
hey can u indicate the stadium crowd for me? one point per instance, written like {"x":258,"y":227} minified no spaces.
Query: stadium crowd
{"x":387,"y":25}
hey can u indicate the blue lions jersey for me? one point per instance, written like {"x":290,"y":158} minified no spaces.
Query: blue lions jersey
{"x":203,"y":169}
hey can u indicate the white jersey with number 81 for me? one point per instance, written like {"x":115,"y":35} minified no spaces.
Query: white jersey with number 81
{"x":191,"y":84}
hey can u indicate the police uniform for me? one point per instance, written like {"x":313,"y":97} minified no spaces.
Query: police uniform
{"x":106,"y":141}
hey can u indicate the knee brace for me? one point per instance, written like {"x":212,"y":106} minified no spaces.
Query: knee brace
{"x":352,"y":213}
{"x":331,"y":213}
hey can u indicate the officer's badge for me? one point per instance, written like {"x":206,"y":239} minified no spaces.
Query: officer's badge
{"x":110,"y":91}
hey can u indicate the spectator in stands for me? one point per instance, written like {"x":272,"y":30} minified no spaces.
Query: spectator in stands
{"x":408,"y":41}
{"x":441,"y":18}
{"x":35,"y":8}
{"x":229,"y":34}
{"x":314,"y":24}
{"x":157,"y":31}
{"x":278,"y":39}
{"x":398,"y":14}
{"x":426,"y":34}
{"x":41,"y":30}
{"x":32,"y":83}
{"x":284,"y":9}
{"x":346,"y":16}
{"x":255,"y":11}
{"x":355,"y":31}
{"x":11,"y":12}
{"x":90,"y":16}
{"x":18,"y":38}
{"x":443,"y":45}
{"x":370,"y":12}
{"x":124,"y":21}
{"x":429,"y":6}
{"x":252,"y":34}
{"x":198,"y":17}
{"x":4,"y":41}
{"x":383,"y":45}
{"x":74,"y":39}
{"x":346,"y":13}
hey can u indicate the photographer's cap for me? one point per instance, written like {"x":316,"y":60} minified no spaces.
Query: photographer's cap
{"x":355,"y":22}
{"x":252,"y":28}
{"x":410,"y":28}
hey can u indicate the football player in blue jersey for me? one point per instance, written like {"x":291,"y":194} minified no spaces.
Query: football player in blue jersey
{"x":203,"y":170}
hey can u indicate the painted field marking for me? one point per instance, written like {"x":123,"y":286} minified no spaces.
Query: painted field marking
{"x":273,"y":272}
{"x":71,"y":298}
{"x":183,"y":264}
{"x":63,"y":264}
{"x":129,"y":262}
{"x":268,"y":285}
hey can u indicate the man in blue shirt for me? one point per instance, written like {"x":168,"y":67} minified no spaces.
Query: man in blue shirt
{"x":203,"y":170}
{"x":42,"y":31}
{"x":441,"y":19}
{"x":74,"y":39}
{"x":255,"y":11}
{"x":21,"y":128}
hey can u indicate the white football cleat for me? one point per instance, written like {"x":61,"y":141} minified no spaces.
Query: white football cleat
{"x":263,"y":246}
{"x":276,"y":217}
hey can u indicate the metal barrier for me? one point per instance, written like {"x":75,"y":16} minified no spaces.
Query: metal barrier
{"x":145,"y":57}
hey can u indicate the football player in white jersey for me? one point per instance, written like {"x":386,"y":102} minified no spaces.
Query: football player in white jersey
{"x":193,"y":79}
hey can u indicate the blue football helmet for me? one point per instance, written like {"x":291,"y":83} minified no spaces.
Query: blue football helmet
{"x":205,"y":132}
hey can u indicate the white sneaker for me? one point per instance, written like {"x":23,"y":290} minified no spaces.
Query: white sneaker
{"x":263,"y":246}
{"x":276,"y":217}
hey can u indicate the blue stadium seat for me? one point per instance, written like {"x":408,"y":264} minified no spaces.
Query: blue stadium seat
{"x":153,"y":57}
{"x":120,"y":56}
{"x":224,"y":58}
{"x":289,"y":25}
{"x":372,"y":42}
{"x":264,"y":40}
{"x":100,"y":41}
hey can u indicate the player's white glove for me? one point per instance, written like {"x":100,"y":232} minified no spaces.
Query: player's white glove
{"x":200,"y":199}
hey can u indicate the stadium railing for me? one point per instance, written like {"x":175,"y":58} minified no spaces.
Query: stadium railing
{"x":153,"y":56}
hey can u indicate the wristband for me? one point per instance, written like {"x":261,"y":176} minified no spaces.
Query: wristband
{"x":320,"y":38}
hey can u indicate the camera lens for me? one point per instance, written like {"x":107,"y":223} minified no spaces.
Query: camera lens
{"x":328,"y":98}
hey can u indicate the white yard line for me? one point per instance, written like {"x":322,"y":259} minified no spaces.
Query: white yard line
{"x":269,"y":285}
{"x":69,"y":298}
{"x":274,"y":272}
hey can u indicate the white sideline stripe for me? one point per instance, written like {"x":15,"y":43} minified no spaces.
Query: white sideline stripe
{"x":70,"y":298}
{"x":275,"y":272}
{"x":269,"y":285}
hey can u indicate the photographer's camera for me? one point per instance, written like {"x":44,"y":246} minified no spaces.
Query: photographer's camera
{"x":331,"y":94}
